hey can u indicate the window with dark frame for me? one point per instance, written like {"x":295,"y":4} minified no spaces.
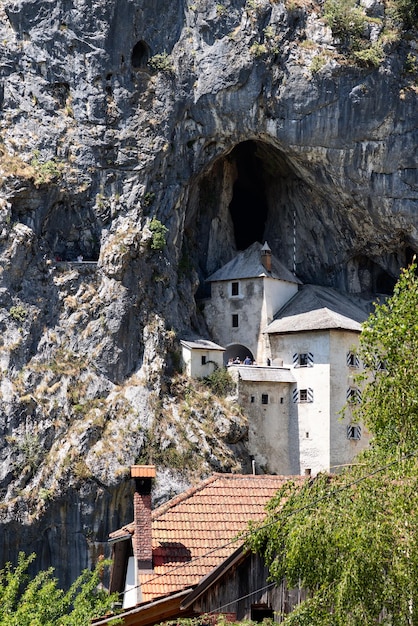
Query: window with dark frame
{"x":303,"y":395}
{"x":264,"y":398}
{"x":252,"y":399}
{"x":303,"y":359}
{"x":203,"y":360}
{"x":235,"y":320}
{"x":234,"y":289}
{"x":354,"y":431}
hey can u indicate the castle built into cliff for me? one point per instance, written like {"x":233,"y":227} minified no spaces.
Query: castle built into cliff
{"x":291,"y":349}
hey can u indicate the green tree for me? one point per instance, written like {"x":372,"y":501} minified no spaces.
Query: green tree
{"x":219,"y":381}
{"x":352,"y":540}
{"x":39,"y":602}
{"x":389,"y":350}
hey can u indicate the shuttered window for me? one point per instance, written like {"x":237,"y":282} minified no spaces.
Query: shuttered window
{"x":354,"y":431}
{"x":353,"y":360}
{"x":353,"y":395}
{"x":303,"y":395}
{"x":303,"y":359}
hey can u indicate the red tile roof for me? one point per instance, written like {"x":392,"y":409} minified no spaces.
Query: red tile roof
{"x":195,"y":531}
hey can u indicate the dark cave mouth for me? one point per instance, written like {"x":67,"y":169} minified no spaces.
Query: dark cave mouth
{"x":248,"y":208}
{"x":256,"y":193}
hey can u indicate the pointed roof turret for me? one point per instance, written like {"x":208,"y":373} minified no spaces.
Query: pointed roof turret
{"x":248,"y":264}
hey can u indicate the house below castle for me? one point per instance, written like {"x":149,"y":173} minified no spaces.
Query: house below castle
{"x":301,"y":341}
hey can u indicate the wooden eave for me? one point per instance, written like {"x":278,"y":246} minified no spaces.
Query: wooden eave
{"x":210,"y":579}
{"x":150,"y":613}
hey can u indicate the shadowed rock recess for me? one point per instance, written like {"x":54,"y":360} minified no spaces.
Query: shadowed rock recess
{"x":226,"y":124}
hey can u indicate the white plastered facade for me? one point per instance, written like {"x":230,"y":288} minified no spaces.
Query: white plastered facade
{"x":254,"y":305}
{"x":299,"y":429}
{"x":318,"y":433}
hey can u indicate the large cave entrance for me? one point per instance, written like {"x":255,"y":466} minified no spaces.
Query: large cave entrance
{"x":246,"y":195}
{"x":258,"y":192}
{"x":248,"y":207}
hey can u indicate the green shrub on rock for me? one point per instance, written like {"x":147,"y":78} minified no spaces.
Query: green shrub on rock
{"x":220,"y":382}
{"x":159,"y":234}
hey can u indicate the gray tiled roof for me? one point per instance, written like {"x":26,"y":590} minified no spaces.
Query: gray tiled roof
{"x":320,"y":308}
{"x":200,"y":344}
{"x":247,"y":264}
{"x":265,"y":374}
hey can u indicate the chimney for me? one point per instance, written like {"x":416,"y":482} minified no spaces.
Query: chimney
{"x":266,"y":257}
{"x":142,"y":540}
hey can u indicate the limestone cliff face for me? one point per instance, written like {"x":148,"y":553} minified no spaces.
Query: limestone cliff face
{"x":120,"y":117}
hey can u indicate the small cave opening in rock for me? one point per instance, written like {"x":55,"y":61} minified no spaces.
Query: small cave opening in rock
{"x":140,"y":55}
{"x":248,"y":207}
{"x":368,"y":276}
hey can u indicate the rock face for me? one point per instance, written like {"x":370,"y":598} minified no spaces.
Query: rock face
{"x":154,"y":140}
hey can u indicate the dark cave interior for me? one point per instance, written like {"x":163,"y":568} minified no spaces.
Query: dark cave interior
{"x":280,"y":198}
{"x":248,"y":207}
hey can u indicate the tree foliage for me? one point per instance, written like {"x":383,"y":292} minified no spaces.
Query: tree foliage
{"x":389,"y":351}
{"x":351,"y":541}
{"x":346,"y":19}
{"x":40,"y":602}
{"x":219,"y":381}
{"x":159,"y":234}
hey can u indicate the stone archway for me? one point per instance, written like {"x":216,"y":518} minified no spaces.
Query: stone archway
{"x":237,"y":350}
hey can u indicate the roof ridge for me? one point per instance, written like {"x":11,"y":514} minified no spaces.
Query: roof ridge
{"x":317,"y":297}
{"x":184,"y":495}
{"x":334,"y":314}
